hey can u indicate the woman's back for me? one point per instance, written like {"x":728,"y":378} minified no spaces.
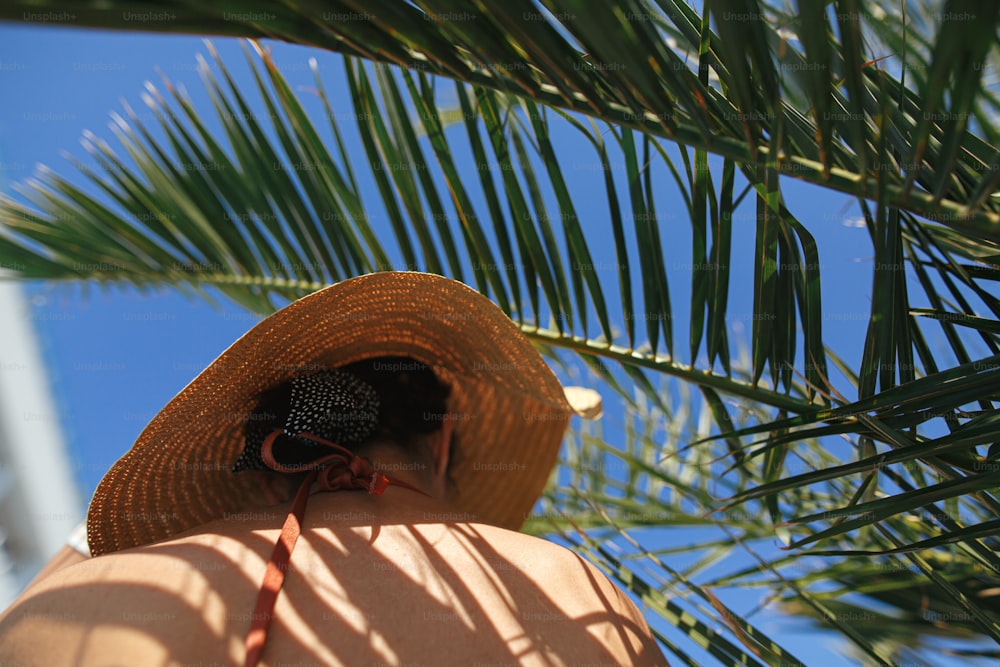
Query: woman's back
{"x":397,"y":579}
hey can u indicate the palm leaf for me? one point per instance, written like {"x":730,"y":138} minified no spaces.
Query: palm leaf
{"x":656,"y":93}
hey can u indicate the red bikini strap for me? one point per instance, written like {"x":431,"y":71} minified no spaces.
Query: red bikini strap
{"x":274,"y":577}
{"x":341,"y":470}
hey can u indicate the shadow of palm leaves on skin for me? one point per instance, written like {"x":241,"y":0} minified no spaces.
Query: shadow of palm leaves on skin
{"x":343,"y":600}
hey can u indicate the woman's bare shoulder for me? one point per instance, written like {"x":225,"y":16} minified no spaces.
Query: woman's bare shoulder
{"x":127,"y":608}
{"x":575,"y":593}
{"x":539,"y":555}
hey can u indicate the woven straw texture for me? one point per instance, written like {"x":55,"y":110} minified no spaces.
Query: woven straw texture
{"x":511,"y":410}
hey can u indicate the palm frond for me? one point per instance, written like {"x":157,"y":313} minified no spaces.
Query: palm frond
{"x":585,"y":58}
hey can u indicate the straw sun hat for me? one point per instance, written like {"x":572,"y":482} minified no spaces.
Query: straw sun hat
{"x":511,"y":412}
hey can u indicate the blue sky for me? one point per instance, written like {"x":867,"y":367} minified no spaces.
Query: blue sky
{"x":115,"y":356}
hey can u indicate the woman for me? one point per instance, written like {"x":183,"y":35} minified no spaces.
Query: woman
{"x":368,"y":453}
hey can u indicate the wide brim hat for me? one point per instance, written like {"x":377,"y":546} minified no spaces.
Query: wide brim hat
{"x":509,"y":408}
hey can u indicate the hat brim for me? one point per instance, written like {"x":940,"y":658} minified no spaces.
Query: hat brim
{"x":511,"y":411}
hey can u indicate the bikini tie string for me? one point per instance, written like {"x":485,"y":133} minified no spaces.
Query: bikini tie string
{"x":341,"y":470}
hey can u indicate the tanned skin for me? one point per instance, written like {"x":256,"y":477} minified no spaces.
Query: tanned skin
{"x":396,"y":579}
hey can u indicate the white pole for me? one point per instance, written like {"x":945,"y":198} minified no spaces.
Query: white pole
{"x":42,"y":504}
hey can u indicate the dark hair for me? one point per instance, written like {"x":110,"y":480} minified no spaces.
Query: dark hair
{"x":412,"y":400}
